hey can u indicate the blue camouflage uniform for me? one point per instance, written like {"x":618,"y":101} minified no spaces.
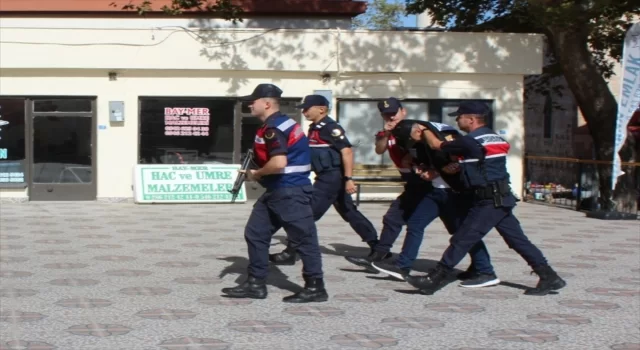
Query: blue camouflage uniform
{"x":286,"y":202}
{"x":483,"y":155}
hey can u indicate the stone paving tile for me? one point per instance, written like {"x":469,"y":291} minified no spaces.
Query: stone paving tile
{"x":89,"y":276}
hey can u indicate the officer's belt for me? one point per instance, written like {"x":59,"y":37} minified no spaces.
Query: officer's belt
{"x":488,"y":192}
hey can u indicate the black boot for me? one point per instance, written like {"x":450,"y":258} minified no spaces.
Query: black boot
{"x":549,"y":280}
{"x":313,"y":292}
{"x":253,"y":288}
{"x":432,"y":281}
{"x":286,"y":257}
{"x":365,"y":261}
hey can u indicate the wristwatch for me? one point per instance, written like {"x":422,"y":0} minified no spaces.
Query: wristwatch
{"x":347,"y":178}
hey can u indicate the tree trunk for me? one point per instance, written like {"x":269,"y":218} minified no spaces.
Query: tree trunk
{"x":599,"y":108}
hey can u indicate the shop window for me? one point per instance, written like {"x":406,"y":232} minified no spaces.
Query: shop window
{"x":186,"y":131}
{"x":12,"y":141}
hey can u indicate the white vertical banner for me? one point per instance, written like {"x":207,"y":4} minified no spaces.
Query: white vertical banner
{"x":629,"y":99}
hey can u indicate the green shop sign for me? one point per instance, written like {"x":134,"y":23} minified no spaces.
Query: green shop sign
{"x":198,"y":183}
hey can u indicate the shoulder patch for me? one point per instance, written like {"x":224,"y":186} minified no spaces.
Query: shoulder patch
{"x":448,"y":138}
{"x":336,"y":132}
{"x":269,"y":134}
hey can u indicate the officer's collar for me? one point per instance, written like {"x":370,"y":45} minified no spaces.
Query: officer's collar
{"x":323,"y":121}
{"x":273,"y":116}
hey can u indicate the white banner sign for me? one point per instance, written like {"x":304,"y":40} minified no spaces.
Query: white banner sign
{"x":629,"y":99}
{"x":186,"y":183}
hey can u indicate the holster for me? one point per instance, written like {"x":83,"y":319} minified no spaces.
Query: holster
{"x":495,"y":191}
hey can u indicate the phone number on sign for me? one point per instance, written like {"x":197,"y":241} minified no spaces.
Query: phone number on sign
{"x":186,"y":131}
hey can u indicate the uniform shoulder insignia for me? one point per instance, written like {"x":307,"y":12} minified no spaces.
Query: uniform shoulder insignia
{"x":269,"y":134}
{"x":448,"y":138}
{"x":336,"y":132}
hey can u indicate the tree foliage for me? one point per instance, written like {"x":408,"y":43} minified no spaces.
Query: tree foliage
{"x":226,"y":9}
{"x":586,"y":38}
{"x":604,"y":21}
{"x":381,"y":14}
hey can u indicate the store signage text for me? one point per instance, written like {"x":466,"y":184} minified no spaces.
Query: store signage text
{"x":209,"y":183}
{"x":186,"y":121}
{"x":3,"y":153}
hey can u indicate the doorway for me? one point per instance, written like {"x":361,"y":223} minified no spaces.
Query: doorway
{"x":62,"y":149}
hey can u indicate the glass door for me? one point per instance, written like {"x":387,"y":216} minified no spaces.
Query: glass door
{"x":63,"y":163}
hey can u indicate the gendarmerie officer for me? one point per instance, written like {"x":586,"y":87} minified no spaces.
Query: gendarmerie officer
{"x":441,"y":201}
{"x":332,"y":162}
{"x":407,"y":208}
{"x":283,"y":156}
{"x":483,"y":158}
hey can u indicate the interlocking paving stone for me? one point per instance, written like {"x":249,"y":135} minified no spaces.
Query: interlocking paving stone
{"x":106,"y":276}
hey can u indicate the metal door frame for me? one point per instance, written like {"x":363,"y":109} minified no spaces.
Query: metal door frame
{"x":62,"y":192}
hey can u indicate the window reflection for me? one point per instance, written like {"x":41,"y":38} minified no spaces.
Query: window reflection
{"x":61,"y":149}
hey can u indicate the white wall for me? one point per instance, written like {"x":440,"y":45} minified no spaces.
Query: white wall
{"x":118,"y":148}
{"x":166,"y":62}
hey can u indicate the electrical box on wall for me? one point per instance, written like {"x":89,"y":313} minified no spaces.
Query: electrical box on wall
{"x":116,"y":111}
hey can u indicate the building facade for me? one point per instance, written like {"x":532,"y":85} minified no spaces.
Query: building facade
{"x":88,"y":96}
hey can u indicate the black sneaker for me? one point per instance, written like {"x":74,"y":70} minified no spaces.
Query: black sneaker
{"x":365,"y":261}
{"x":391,"y":269}
{"x":481,"y":280}
{"x":468,"y":274}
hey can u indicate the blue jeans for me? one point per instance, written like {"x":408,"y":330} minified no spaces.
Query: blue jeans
{"x":417,"y":208}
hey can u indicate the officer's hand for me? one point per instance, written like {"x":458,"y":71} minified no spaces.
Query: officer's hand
{"x":451,"y":168}
{"x":390,"y":125}
{"x":251,"y":175}
{"x":429,"y":175}
{"x":350,"y":187}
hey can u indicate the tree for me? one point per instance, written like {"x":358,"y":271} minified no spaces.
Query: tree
{"x":226,"y":9}
{"x":585,"y":37}
{"x":381,"y":14}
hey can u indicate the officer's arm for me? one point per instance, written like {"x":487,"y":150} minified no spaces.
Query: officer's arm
{"x":382,"y":141}
{"x":336,"y":136}
{"x":277,"y":149}
{"x":431,"y":139}
{"x":463,"y":146}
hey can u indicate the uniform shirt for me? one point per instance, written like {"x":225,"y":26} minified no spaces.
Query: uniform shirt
{"x":328,"y":132}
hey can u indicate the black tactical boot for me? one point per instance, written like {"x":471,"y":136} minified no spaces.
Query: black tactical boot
{"x":365,"y":261}
{"x":313,"y":292}
{"x":286,"y":257}
{"x":253,"y":288}
{"x":549,"y":280}
{"x":432,"y":281}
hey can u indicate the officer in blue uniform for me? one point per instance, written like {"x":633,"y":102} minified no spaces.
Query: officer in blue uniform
{"x":443,"y":201}
{"x":283,"y":156}
{"x":482,"y":155}
{"x":332,"y":161}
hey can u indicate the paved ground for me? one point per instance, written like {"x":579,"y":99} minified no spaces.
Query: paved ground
{"x":84,"y":276}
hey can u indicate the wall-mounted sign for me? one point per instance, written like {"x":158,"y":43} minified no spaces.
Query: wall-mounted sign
{"x":180,"y":121}
{"x":188,"y":183}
